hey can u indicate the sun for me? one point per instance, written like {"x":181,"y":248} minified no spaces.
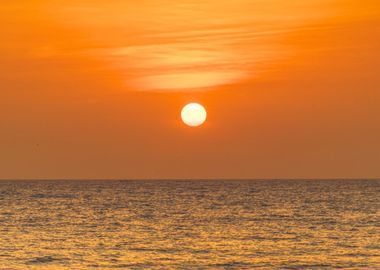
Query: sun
{"x":193,"y":114}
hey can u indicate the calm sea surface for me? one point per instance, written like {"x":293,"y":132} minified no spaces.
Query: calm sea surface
{"x":190,"y":224}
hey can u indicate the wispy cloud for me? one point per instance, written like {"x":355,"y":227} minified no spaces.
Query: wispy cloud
{"x":190,"y":45}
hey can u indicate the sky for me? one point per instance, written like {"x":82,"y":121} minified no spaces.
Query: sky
{"x":94,"y":89}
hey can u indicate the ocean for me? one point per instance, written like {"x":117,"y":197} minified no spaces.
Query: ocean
{"x":192,"y":224}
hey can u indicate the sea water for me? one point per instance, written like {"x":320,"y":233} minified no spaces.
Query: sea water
{"x":261,"y":224}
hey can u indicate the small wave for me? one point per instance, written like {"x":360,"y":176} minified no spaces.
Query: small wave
{"x":43,"y":260}
{"x":52,"y":196}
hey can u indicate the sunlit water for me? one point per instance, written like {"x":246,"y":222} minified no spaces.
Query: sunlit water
{"x":190,"y":225}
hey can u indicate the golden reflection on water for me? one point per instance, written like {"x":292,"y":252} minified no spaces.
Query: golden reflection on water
{"x":189,"y":225}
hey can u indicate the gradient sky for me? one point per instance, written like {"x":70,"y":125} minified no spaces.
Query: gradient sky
{"x":94,"y":89}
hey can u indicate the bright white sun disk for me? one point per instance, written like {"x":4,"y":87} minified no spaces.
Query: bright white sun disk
{"x":193,"y":114}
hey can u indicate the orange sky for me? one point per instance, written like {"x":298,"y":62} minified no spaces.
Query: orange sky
{"x":94,"y":89}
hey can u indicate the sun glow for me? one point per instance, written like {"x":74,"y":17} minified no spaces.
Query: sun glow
{"x":193,"y":114}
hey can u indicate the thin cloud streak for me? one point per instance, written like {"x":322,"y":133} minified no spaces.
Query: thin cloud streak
{"x":192,"y":46}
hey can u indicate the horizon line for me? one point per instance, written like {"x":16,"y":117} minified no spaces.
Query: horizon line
{"x":189,"y":179}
